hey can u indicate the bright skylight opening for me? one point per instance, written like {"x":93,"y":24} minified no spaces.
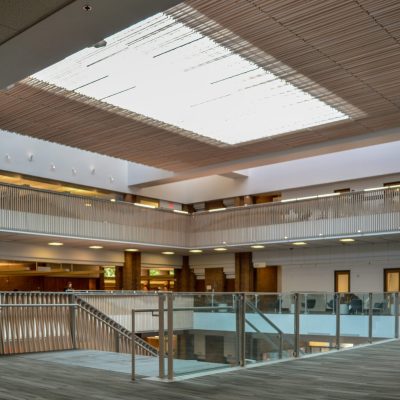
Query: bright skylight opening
{"x":165,"y":70}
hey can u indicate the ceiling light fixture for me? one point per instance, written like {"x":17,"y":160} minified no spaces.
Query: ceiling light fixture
{"x":181,"y":212}
{"x":347,"y":240}
{"x":144,"y":205}
{"x":168,"y":253}
{"x":132,"y":250}
{"x":95,"y":247}
{"x":55,"y":244}
{"x":220,"y":249}
{"x":299,"y":243}
{"x":258,"y":246}
{"x":195,"y":251}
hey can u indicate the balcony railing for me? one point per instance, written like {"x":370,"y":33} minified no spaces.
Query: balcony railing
{"x":35,"y":211}
{"x":365,"y":212}
{"x":49,"y":213}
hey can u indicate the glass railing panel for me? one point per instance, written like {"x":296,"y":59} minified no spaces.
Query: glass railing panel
{"x":269,"y":327}
{"x":317,"y":322}
{"x":383,"y":321}
{"x":205,"y":336}
{"x":354,"y":319}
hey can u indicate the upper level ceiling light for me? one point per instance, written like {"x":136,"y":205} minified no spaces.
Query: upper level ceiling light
{"x":195,"y":251}
{"x":168,"y":253}
{"x":257,"y":246}
{"x":299,"y":243}
{"x":220,"y":249}
{"x":162,"y":69}
{"x":347,"y":240}
{"x":95,"y":247}
{"x":55,"y":244}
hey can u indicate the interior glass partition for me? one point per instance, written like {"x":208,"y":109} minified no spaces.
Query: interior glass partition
{"x":206,"y":339}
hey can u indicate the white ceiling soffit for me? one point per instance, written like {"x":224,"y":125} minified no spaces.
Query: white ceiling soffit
{"x":228,"y":169}
{"x":68,"y":30}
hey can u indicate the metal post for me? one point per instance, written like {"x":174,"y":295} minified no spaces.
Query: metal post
{"x":280,"y":345}
{"x":72,"y":301}
{"x":296,"y":299}
{"x":240,"y":329}
{"x":133,"y":346}
{"x":396,"y":315}
{"x":237,"y":315}
{"x":161,"y":356}
{"x":116,"y":339}
{"x":170,"y":349}
{"x":370,"y":311}
{"x":337,"y":309}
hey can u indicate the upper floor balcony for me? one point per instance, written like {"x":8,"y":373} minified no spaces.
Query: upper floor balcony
{"x":27,"y":210}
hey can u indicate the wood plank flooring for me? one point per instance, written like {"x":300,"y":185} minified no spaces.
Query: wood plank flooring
{"x":366,"y":373}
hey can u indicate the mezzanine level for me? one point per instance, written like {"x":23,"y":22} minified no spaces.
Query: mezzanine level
{"x":27,"y":210}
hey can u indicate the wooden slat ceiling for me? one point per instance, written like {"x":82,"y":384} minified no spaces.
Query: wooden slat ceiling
{"x":346,"y":52}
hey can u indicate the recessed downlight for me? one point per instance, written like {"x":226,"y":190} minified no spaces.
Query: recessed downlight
{"x":55,"y":244}
{"x":168,"y":253}
{"x":195,"y":251}
{"x":257,"y":246}
{"x":347,"y":240}
{"x":132,"y":250}
{"x":220,"y":249}
{"x":95,"y":247}
{"x":299,"y":243}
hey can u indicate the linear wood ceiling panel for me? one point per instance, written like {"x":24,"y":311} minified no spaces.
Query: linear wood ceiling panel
{"x":346,"y":52}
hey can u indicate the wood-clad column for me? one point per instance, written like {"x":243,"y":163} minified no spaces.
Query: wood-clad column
{"x":244,"y":272}
{"x":214,"y":279}
{"x":119,"y":273}
{"x":185,"y":278}
{"x":100,"y":284}
{"x":132,"y":271}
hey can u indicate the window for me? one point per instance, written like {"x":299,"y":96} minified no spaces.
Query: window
{"x":342,"y":281}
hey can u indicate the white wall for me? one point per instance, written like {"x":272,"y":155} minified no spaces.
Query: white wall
{"x":92,"y":169}
{"x":200,"y":262}
{"x":313,"y":269}
{"x":371,"y":161}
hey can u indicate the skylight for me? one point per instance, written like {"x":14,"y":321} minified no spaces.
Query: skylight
{"x":167,"y":71}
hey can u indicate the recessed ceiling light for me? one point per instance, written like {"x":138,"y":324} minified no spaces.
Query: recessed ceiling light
{"x":113,"y":200}
{"x":95,"y":247}
{"x":347,"y":240}
{"x":88,"y":205}
{"x":144,"y":205}
{"x":55,"y":244}
{"x":220,"y":249}
{"x":180,"y":211}
{"x":195,"y":251}
{"x":168,"y":253}
{"x":299,"y":243}
{"x":359,"y":231}
{"x":209,"y":83}
{"x":257,"y":246}
{"x":132,"y":250}
{"x":217,"y":209}
{"x":285,"y":237}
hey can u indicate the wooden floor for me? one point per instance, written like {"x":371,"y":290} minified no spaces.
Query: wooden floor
{"x":371,"y":373}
